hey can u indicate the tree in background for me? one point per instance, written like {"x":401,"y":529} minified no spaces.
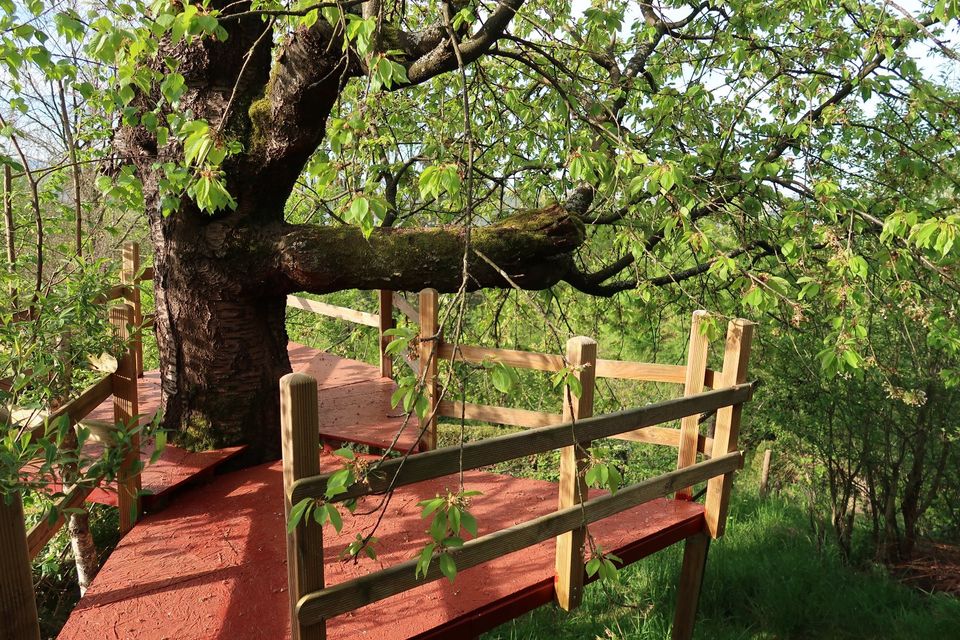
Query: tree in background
{"x":764,"y":156}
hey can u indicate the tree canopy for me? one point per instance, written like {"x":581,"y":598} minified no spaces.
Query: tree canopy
{"x":787,"y":160}
{"x":770,"y":153}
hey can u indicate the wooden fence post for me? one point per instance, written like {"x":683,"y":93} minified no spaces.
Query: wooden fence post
{"x":125,"y":409}
{"x":582,"y":356}
{"x":386,"y":323}
{"x":18,"y":606}
{"x":765,"y":472}
{"x":736,"y":358}
{"x":429,"y":355}
{"x":129,"y":274}
{"x":300,"y":437}
{"x":691,"y":580}
{"x":696,"y":369}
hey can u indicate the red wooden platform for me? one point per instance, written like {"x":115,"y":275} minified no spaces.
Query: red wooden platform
{"x":354,"y":404}
{"x":354,"y":401}
{"x":212,"y":565}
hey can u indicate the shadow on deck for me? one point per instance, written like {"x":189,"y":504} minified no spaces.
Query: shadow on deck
{"x":212,"y":564}
{"x":355,"y":407}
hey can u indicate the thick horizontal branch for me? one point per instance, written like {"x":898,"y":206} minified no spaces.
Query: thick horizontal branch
{"x":533,"y":249}
{"x":593,"y":283}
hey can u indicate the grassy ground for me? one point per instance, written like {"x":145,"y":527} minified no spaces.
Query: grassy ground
{"x":765,"y":579}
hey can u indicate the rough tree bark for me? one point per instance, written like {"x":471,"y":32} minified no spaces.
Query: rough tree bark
{"x":221,"y":280}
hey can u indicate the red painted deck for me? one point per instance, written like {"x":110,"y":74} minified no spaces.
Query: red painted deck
{"x":354,"y":401}
{"x":212,"y":565}
{"x":354,"y":404}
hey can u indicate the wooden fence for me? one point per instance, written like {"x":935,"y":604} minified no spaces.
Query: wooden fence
{"x":18,"y":546}
{"x":312,"y":604}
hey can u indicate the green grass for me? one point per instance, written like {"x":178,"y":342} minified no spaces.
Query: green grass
{"x":765,"y":579}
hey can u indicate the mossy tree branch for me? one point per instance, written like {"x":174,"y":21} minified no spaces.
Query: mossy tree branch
{"x":533,"y":248}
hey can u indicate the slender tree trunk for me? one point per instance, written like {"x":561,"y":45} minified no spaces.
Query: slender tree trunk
{"x":72,"y":154}
{"x":85,"y":555}
{"x":84,"y":549}
{"x":8,"y":216}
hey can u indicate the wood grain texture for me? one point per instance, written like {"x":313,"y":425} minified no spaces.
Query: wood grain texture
{"x":665,"y":436}
{"x":499,"y":415}
{"x":300,"y":440}
{"x":441,"y":462}
{"x":385,"y":299}
{"x":430,"y":340}
{"x":691,"y":580}
{"x":346,"y":596}
{"x":128,"y":276}
{"x":509,"y":357}
{"x":697,"y":352}
{"x":736,"y":358}
{"x":648,"y":372}
{"x":126,"y":408}
{"x":113,"y":293}
{"x":78,"y":408}
{"x":406,"y":308}
{"x":18,"y":609}
{"x":574,"y":460}
{"x":333,"y":311}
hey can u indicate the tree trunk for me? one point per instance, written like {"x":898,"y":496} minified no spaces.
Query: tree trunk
{"x":84,"y":549}
{"x":221,"y":279}
{"x":222,"y":340}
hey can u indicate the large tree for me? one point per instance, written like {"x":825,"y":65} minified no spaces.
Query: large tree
{"x":299,"y":146}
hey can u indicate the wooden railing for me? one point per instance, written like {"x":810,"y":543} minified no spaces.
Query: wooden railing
{"x":695,"y":376}
{"x":312,"y":604}
{"x":382,"y":321}
{"x":19,"y":546}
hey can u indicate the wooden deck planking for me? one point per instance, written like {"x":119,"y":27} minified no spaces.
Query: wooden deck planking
{"x":354,"y":401}
{"x":175,"y":469}
{"x":354,"y":404}
{"x":212,"y":565}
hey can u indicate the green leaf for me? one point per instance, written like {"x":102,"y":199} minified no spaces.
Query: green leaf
{"x":298,"y":512}
{"x":503,"y":377}
{"x":334,"y":516}
{"x":159,"y":444}
{"x":576,"y":387}
{"x":448,"y":567}
{"x":469,"y":523}
{"x":423,"y":563}
{"x":346,"y":453}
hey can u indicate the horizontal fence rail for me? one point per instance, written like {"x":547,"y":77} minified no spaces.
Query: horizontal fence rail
{"x":78,"y":408}
{"x":42,"y":532}
{"x":346,"y":596}
{"x":509,"y":357}
{"x":441,"y":462}
{"x":705,"y":393}
{"x":498,"y":415}
{"x":647,"y":371}
{"x":333,"y":311}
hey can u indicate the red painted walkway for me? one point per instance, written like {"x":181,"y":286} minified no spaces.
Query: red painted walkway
{"x":213,"y":564}
{"x":354,"y":404}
